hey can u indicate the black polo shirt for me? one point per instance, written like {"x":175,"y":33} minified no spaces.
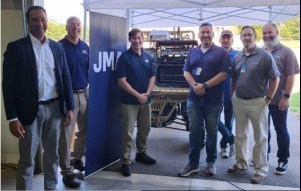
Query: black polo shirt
{"x":137,"y":70}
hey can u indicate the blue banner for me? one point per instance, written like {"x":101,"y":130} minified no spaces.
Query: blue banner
{"x":108,"y":40}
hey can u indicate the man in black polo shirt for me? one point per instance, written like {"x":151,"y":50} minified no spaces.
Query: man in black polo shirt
{"x":136,"y":77}
{"x":77,"y":53}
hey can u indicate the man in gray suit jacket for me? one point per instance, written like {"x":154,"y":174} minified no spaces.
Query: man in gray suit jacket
{"x":37,"y":92}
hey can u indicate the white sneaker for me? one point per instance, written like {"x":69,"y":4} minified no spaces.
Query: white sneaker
{"x":224,"y":153}
{"x":251,"y":163}
{"x":232,"y":150}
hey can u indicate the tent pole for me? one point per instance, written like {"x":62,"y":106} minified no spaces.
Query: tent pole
{"x":85,"y":20}
{"x":129,"y":18}
{"x":128,"y":23}
{"x":270,"y":19}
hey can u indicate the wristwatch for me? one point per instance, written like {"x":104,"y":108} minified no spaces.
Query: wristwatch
{"x":269,"y":98}
{"x":286,"y":95}
{"x":205,"y":86}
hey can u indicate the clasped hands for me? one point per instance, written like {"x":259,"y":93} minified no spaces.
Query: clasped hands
{"x":198,"y":89}
{"x":143,"y":98}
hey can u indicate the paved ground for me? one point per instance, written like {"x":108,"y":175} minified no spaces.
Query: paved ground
{"x":170,"y":148}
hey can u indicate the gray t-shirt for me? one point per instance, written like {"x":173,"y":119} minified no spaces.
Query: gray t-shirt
{"x":287,"y":65}
{"x":252,"y":73}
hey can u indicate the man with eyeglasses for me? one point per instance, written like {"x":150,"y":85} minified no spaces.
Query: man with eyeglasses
{"x":77,"y":53}
{"x":254,"y":83}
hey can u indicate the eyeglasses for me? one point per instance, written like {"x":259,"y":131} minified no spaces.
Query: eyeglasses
{"x":247,"y":35}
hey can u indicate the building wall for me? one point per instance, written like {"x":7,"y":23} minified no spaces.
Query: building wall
{"x":11,"y":29}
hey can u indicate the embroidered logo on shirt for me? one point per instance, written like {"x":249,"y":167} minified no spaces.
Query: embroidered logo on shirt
{"x":84,"y":52}
{"x":146,"y":61}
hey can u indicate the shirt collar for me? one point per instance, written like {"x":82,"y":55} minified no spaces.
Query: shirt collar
{"x":254,"y":51}
{"x":35,"y":41}
{"x":213,"y":46}
{"x":133,"y":52}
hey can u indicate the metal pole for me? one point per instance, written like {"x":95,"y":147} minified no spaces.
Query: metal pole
{"x":85,"y":20}
{"x":270,"y":8}
{"x":128,"y":19}
{"x":24,"y":8}
{"x":128,"y":23}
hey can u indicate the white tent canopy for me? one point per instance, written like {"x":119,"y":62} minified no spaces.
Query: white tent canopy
{"x":186,"y":13}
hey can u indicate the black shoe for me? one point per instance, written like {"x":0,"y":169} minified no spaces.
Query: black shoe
{"x":71,"y":181}
{"x":144,"y":158}
{"x":126,"y":170}
{"x":78,"y":164}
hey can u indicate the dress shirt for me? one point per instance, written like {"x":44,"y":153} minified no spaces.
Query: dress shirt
{"x":45,"y":68}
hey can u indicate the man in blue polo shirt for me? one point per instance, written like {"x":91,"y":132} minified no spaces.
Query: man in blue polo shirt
{"x":205,"y":69}
{"x":77,"y":53}
{"x":136,"y":77}
{"x":226,"y":40}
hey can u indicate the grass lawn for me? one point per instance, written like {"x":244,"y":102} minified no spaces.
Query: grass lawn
{"x":295,"y":102}
{"x":291,"y":43}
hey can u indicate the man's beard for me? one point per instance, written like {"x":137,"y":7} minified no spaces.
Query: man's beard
{"x":271,"y":43}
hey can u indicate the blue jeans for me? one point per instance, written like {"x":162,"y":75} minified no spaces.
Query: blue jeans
{"x":283,"y":139}
{"x":226,"y":128}
{"x":197,"y":114}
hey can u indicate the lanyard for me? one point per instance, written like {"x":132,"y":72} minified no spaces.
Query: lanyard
{"x":202,"y":58}
{"x":274,"y":52}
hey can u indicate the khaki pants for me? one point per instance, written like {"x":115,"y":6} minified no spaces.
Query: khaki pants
{"x":256,"y":111}
{"x":130,"y":114}
{"x":80,"y":117}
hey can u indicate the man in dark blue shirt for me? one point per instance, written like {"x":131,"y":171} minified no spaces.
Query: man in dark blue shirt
{"x":205,"y":69}
{"x":77,"y":53}
{"x":136,"y":77}
{"x":226,"y":40}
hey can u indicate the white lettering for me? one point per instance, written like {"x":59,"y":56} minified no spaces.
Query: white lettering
{"x":106,"y":60}
{"x":97,"y":67}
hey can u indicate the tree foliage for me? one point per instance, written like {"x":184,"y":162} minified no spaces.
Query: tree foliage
{"x":56,"y":31}
{"x":288,"y":30}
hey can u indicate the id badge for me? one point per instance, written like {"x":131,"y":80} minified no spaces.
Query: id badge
{"x":198,"y":71}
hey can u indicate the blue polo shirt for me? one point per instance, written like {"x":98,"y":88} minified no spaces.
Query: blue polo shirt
{"x":137,"y":70}
{"x":212,"y":62}
{"x":227,"y":82}
{"x":78,"y":63}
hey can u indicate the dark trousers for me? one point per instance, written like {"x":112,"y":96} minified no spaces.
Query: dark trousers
{"x":279,"y":119}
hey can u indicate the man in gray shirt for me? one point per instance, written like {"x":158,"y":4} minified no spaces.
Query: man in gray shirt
{"x":253,"y":86}
{"x":288,"y":67}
